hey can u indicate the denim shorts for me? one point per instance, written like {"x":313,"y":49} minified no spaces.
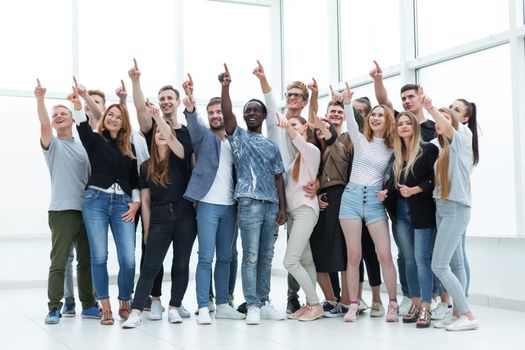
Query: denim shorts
{"x":361,"y":203}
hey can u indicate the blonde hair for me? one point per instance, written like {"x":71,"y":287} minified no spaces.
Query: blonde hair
{"x":124,"y":134}
{"x":444,"y":157}
{"x":389,"y":130}
{"x":399,"y":149}
{"x":299,"y":85}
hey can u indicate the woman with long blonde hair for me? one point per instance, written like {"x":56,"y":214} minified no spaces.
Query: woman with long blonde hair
{"x":372,"y":151}
{"x":453,"y":205}
{"x":412,"y":209}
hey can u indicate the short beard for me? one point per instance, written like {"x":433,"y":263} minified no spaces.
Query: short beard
{"x":217,"y":128}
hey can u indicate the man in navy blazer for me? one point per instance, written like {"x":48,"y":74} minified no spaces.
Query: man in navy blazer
{"x":211,"y":188}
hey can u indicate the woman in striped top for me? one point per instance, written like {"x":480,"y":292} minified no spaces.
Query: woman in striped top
{"x":372,"y":151}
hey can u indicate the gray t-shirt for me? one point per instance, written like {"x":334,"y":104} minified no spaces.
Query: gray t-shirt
{"x":68,"y":165}
{"x":459,"y":167}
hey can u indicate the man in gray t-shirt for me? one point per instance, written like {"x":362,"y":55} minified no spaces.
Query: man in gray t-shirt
{"x":68,"y":166}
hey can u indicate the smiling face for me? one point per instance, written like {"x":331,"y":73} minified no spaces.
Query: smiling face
{"x":61,"y":118}
{"x":405,"y":127}
{"x":335,"y":115}
{"x":168,"y":102}
{"x":254,"y":115}
{"x":376,"y":120}
{"x":215,"y":117}
{"x":295,"y":99}
{"x":113,"y":121}
{"x":461,"y":109}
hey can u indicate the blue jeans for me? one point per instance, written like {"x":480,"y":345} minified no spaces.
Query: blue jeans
{"x":465,"y":261}
{"x":452,"y":219}
{"x":215,"y":231}
{"x":101,"y":210}
{"x":233,"y":262}
{"x":257,"y":222}
{"x":415,"y":245}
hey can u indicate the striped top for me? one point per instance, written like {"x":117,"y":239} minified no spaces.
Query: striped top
{"x":370,"y":158}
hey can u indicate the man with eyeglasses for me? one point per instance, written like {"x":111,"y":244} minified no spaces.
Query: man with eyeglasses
{"x":296,"y":99}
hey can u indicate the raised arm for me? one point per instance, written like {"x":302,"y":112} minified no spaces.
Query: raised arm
{"x":139,"y":101}
{"x":442,"y":123}
{"x":313,"y":107}
{"x":379,"y":88}
{"x":122,"y":93}
{"x":46,"y":132}
{"x":230,"y":122}
{"x":283,"y":123}
{"x":167,"y":132}
{"x":82,"y":92}
{"x":271,"y":106}
{"x":259,"y":73}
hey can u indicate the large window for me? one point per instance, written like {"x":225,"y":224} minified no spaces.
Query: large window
{"x":447,"y":23}
{"x":369,"y":31}
{"x":212,"y":39}
{"x":36,"y":42}
{"x":493,"y":205}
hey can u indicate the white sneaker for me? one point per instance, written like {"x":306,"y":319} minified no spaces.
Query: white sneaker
{"x":445,"y":322}
{"x":363,"y":306}
{"x":133,"y":321}
{"x":405,"y":306}
{"x":228,"y":312}
{"x":463,"y":324}
{"x":183,"y":312}
{"x":441,"y":312}
{"x":254,"y":315}
{"x":211,"y":305}
{"x":173,"y":315}
{"x":204,"y":316}
{"x":268,"y":312}
{"x":156,"y":311}
{"x":377,"y":310}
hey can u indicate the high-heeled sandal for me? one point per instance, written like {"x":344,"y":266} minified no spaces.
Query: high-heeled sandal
{"x":424,"y":320}
{"x":106,"y":318}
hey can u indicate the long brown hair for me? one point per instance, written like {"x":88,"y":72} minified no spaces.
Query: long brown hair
{"x":444,"y":157}
{"x":389,"y":131}
{"x":158,"y":168}
{"x":399,"y":148}
{"x":124,"y":134}
{"x":309,"y":137}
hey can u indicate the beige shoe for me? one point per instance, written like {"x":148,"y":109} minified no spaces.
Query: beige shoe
{"x":393,"y":312}
{"x":298,"y":313}
{"x":313,"y":312}
{"x":351,"y":314}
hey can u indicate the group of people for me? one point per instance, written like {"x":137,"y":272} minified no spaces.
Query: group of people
{"x":334,"y":189}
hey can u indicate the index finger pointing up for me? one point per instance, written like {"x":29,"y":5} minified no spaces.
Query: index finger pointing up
{"x":190,"y":78}
{"x":38,"y":82}
{"x":226,"y":69}
{"x":75,"y":81}
{"x":123,"y":86}
{"x":135,"y":63}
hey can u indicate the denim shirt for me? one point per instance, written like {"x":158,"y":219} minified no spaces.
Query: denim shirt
{"x":257,"y":161}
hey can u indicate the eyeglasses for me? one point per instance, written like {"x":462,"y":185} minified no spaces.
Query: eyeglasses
{"x":295,"y":95}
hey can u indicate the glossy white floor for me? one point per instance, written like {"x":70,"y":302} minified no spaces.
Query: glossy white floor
{"x":22,"y":327}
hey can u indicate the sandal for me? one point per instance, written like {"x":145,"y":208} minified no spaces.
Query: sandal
{"x":412,"y":315}
{"x":124,"y":310}
{"x":423,"y":320}
{"x":106,"y":318}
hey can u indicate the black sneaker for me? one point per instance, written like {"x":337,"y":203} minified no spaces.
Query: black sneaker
{"x":328,"y":305}
{"x":338,"y":311}
{"x":243,"y":309}
{"x":292,"y":306}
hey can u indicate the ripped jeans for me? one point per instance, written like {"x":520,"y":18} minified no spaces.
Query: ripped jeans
{"x":257,"y":223}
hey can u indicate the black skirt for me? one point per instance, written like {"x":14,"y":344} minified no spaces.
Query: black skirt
{"x":327,"y":241}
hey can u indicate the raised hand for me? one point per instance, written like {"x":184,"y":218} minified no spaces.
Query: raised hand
{"x":121,"y":91}
{"x":187,"y":86}
{"x":336,"y":96}
{"x":259,"y":71}
{"x":313,"y":87}
{"x":376,"y":73}
{"x":281,"y":122}
{"x":73,"y":97}
{"x":134,"y":72}
{"x":40,"y":91}
{"x":347,"y":95}
{"x":426,"y":102}
{"x":153,"y":111}
{"x":189,"y":103}
{"x":80,"y":89}
{"x":225,"y":78}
